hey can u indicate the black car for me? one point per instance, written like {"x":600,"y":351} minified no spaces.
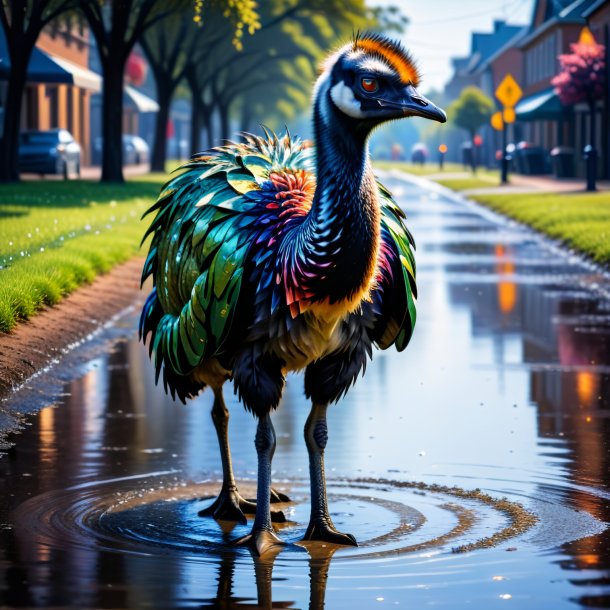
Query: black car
{"x":49,"y":152}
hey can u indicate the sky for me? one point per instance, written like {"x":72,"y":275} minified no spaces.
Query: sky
{"x":441,"y":29}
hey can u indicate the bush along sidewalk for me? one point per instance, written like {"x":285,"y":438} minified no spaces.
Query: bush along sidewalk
{"x":55,"y":236}
{"x":580,"y":220}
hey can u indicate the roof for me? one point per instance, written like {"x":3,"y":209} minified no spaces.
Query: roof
{"x":484,"y":45}
{"x":573,"y":13}
{"x":594,"y":8}
{"x":542,"y":105}
{"x":44,"y":68}
{"x":513,"y":42}
{"x":142,"y":102}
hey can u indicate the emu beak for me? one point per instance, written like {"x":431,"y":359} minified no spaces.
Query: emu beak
{"x":415,"y":104}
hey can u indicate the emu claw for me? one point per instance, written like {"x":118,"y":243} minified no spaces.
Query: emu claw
{"x":261,"y":542}
{"x":326,"y":532}
{"x":230,"y":506}
{"x":278,"y":496}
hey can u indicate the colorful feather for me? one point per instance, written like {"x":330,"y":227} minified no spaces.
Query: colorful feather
{"x":218,"y":264}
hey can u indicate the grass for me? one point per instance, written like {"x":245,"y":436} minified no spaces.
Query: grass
{"x":417,"y":169}
{"x":55,"y":236}
{"x":465,"y":184}
{"x":580,"y":220}
{"x":453,"y":176}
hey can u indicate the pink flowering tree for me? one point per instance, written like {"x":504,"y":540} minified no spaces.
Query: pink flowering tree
{"x":582,"y":75}
{"x":582,"y":79}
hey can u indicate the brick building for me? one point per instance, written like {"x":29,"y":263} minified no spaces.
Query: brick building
{"x":59,"y":83}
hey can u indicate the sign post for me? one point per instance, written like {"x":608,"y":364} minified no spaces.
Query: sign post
{"x":442,"y":149}
{"x":509,"y":93}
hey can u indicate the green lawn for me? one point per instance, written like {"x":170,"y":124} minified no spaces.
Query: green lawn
{"x":465,"y":184}
{"x":453,"y":175}
{"x":581,"y":220}
{"x":56,"y":235}
{"x":417,"y":169}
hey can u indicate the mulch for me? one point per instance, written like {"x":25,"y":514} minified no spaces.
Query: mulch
{"x":35,"y":344}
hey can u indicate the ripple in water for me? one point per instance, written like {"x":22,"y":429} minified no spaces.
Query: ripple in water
{"x":387,"y":517}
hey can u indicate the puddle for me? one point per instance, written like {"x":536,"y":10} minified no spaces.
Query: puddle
{"x":472,"y":468}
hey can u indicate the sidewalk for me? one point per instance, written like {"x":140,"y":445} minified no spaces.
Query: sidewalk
{"x":517,"y":183}
{"x":93,"y":173}
{"x":534,"y":184}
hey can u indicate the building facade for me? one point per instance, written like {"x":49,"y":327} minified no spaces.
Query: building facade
{"x":532,"y":57}
{"x":66,"y":105}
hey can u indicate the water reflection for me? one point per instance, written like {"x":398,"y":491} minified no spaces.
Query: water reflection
{"x":505,"y":387}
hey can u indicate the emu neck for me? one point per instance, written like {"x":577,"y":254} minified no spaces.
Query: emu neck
{"x":342,"y":229}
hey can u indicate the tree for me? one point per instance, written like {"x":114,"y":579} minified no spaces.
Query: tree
{"x":270,"y":79}
{"x":167,"y":46}
{"x":583,"y":79}
{"x":470,"y":111}
{"x":22,"y":22}
{"x":174,"y":46}
{"x":117,"y":25}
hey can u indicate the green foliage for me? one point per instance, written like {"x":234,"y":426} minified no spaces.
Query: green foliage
{"x":580,"y":220}
{"x":471,"y":110}
{"x":268,"y":79}
{"x":54,"y":236}
{"x":467,"y":184}
{"x":416,"y":169}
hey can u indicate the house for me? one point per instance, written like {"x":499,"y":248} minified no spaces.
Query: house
{"x":59,"y":83}
{"x":468,"y":70}
{"x":474,"y":71}
{"x":490,"y":73}
{"x":555,"y":25}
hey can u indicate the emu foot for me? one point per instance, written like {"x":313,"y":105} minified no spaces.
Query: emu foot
{"x":230,"y":506}
{"x":278,"y":496}
{"x":275,"y":496}
{"x":262,"y":542}
{"x":324,"y":530}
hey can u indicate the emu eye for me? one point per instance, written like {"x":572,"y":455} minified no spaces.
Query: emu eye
{"x":370,"y":85}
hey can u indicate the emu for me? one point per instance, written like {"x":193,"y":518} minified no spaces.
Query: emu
{"x":269,"y":256}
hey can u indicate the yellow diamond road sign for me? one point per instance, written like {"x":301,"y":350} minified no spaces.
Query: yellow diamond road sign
{"x":508,"y":91}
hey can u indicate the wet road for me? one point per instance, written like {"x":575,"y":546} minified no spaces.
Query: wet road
{"x":488,"y":436}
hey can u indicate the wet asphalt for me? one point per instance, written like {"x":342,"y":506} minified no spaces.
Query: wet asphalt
{"x":502,"y":394}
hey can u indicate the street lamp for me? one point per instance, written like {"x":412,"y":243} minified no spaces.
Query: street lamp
{"x":442,"y":149}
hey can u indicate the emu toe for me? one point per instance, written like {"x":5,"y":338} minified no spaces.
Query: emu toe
{"x":278,"y":496}
{"x":262,"y":542}
{"x":230,"y":506}
{"x":326,"y":532}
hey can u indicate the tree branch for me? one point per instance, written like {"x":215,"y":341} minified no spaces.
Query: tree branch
{"x":68,"y":5}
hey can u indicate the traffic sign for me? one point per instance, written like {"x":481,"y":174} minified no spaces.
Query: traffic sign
{"x":508,"y":91}
{"x":508,"y":115}
{"x":496,"y":121}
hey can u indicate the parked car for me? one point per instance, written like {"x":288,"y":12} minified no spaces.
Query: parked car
{"x":49,"y":152}
{"x":135,"y":150}
{"x":527,"y":158}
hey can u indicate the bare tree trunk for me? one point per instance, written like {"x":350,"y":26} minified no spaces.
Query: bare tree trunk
{"x":473,"y":153}
{"x":9,"y":143}
{"x":246,"y":116}
{"x":112,"y":122}
{"x":159,"y":153}
{"x":196,"y":127}
{"x":223,"y":111}
{"x":196,"y":109}
{"x":208,"y":114}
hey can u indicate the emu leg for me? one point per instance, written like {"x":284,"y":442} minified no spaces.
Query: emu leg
{"x":230,"y":505}
{"x":320,"y":526}
{"x":263,"y":539}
